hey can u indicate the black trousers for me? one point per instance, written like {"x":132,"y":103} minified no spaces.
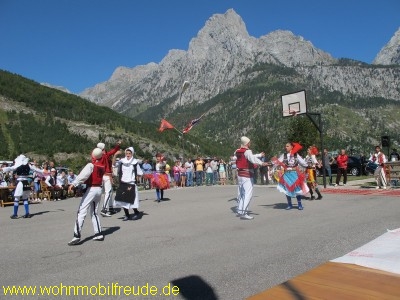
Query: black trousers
{"x":341,"y":171}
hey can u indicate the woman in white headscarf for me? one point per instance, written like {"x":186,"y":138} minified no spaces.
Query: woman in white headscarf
{"x":127,"y":193}
{"x":23,"y":170}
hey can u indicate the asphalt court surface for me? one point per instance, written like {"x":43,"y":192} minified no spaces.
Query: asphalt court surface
{"x":193,"y":241}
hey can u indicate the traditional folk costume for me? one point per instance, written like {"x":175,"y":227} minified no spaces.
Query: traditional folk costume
{"x":127,"y":195}
{"x":24,"y":179}
{"x":380,"y":177}
{"x":106,"y":160}
{"x":92,"y":176}
{"x":292,"y":181}
{"x":311,"y":173}
{"x":245,"y":163}
{"x":160,"y":179}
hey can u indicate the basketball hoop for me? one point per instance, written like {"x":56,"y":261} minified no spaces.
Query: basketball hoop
{"x":289,"y":112}
{"x":294,"y":104}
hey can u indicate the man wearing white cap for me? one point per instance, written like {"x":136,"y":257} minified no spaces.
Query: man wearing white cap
{"x":245,"y":167}
{"x":106,"y":160}
{"x":92,"y":176}
{"x":22,"y":168}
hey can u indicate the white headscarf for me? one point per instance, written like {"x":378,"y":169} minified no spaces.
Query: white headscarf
{"x":128,"y":161}
{"x":20,"y":160}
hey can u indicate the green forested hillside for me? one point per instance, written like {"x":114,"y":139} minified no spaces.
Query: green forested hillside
{"x":44,"y":122}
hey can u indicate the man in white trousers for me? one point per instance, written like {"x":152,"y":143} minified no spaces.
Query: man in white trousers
{"x":245,"y":163}
{"x":92,"y":176}
{"x":106,"y":159}
{"x":379,"y":158}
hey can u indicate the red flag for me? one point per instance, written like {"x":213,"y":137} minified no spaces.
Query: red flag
{"x":191,"y":124}
{"x":165,"y":125}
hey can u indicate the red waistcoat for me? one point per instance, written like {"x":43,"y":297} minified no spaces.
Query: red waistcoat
{"x":245,"y":168}
{"x":96,"y":178}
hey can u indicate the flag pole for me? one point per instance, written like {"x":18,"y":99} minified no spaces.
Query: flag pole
{"x":184,"y":87}
{"x":180,"y":132}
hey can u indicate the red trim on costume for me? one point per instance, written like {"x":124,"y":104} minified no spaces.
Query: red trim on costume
{"x":299,"y":182}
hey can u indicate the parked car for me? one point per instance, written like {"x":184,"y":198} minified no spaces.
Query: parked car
{"x":60,"y":169}
{"x":355,"y":167}
{"x":370,"y":167}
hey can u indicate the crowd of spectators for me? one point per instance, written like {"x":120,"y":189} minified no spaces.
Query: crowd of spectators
{"x":203,"y":171}
{"x":53,"y":179}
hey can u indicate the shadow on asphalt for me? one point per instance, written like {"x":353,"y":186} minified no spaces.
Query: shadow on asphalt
{"x":276,"y":205}
{"x":193,"y":287}
{"x":106,"y":231}
{"x":40,"y":213}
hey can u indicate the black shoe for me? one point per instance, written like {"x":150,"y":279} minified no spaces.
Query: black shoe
{"x":126,"y":218}
{"x":27,"y":216}
{"x":135,"y":217}
{"x":312,"y":198}
{"x":14,"y":217}
{"x":319,"y":197}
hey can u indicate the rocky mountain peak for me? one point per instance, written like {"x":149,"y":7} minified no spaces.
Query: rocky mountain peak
{"x":390,"y":53}
{"x":215,"y":61}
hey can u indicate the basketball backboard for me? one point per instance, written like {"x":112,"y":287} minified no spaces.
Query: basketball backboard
{"x":294,"y":104}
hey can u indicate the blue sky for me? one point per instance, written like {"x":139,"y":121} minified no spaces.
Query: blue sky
{"x":79,"y":43}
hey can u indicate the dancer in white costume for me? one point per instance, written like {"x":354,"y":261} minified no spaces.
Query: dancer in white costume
{"x":23,"y":169}
{"x":92,"y":176}
{"x":245,"y":167}
{"x":379,"y":159}
{"x":128,"y":170}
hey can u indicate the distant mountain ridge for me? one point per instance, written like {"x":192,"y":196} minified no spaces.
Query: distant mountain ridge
{"x":218,"y":56}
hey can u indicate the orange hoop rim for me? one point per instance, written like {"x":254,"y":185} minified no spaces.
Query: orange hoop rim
{"x":290,"y":112}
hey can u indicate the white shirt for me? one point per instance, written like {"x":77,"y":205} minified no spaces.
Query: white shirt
{"x":127,"y":168}
{"x":291,"y":160}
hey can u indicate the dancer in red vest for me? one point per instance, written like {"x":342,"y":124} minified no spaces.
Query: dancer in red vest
{"x":245,"y":163}
{"x":108,"y":208}
{"x":92,"y":176}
